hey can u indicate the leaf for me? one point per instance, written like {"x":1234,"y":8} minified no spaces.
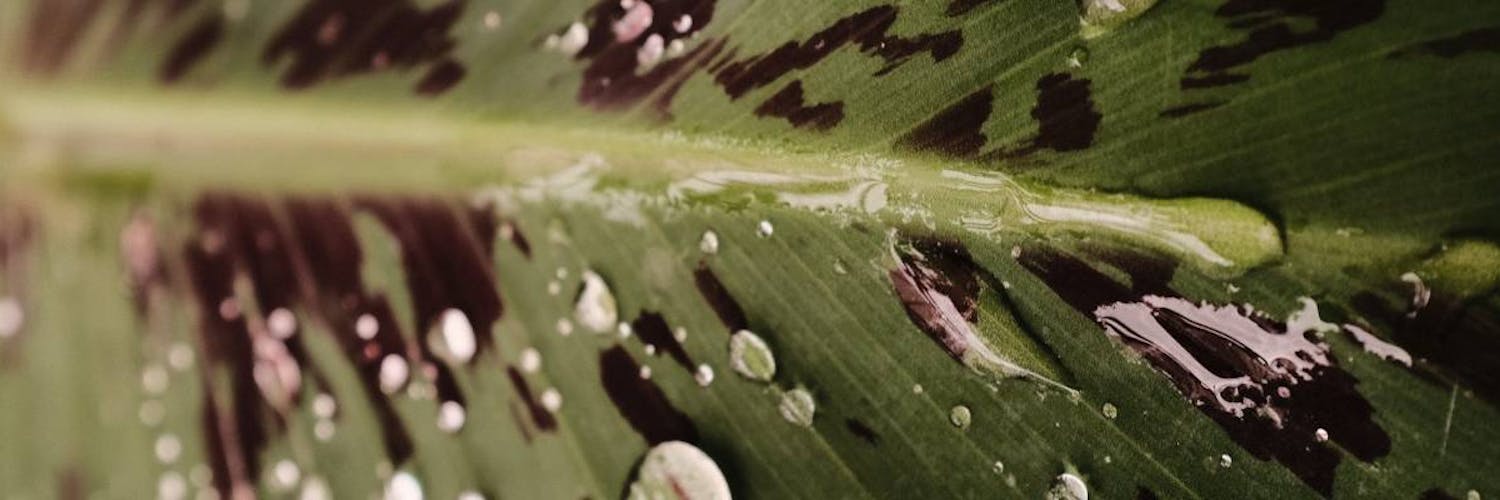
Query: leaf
{"x":1179,"y":251}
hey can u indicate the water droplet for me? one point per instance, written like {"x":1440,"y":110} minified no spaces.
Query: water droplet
{"x":1015,"y":252}
{"x":154,"y":379}
{"x":366,"y":326}
{"x":1284,"y":392}
{"x":285,"y":474}
{"x":683,"y":24}
{"x":554,"y":288}
{"x":764,"y":229}
{"x":324,"y":430}
{"x":625,"y":330}
{"x":1109,"y":411}
{"x":1077,"y":57}
{"x":564,"y":327}
{"x":709,"y":243}
{"x":1098,"y":17}
{"x":11,"y":317}
{"x":917,"y":389}
{"x":650,"y":51}
{"x":680,"y":334}
{"x":1068,"y":487}
{"x":1472,"y":495}
{"x":171,"y":486}
{"x":403,"y":486}
{"x":551,"y":400}
{"x":458,"y":336}
{"x":797,"y":406}
{"x":998,"y":467}
{"x":1320,"y":435}
{"x":751,"y":357}
{"x":675,"y":48}
{"x":645,"y":372}
{"x":650,"y":350}
{"x":151,"y":413}
{"x":470,"y":495}
{"x":282,"y":323}
{"x":638,"y":17}
{"x":573,"y":39}
{"x":596,"y":309}
{"x":960,"y":416}
{"x":168,"y":448}
{"x":180,"y":356}
{"x":393,"y":373}
{"x":531,"y":360}
{"x":704,"y":375}
{"x":1226,"y":461}
{"x":675,"y":469}
{"x":451,"y":417}
{"x":324,"y":406}
{"x":314,"y":488}
{"x":492,"y":20}
{"x":838,"y":267}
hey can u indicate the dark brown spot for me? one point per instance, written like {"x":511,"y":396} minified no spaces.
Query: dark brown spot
{"x":652,"y":328}
{"x":1065,"y":115}
{"x":862,"y":431}
{"x":540,"y":417}
{"x":1451,"y":338}
{"x":718,"y":298}
{"x":1479,"y":40}
{"x":330,"y":39}
{"x":956,"y":131}
{"x":789,"y":103}
{"x":53,"y":31}
{"x":192,"y":48}
{"x":640,"y":401}
{"x":961,"y":7}
{"x":1276,"y":25}
{"x":440,"y":77}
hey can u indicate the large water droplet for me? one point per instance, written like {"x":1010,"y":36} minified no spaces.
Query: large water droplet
{"x":751,"y":357}
{"x":797,"y":406}
{"x":458,"y":336}
{"x":451,"y":417}
{"x":675,"y":469}
{"x":1068,"y":487}
{"x":393,"y":373}
{"x":596,"y":309}
{"x":960,"y":416}
{"x":403,"y":486}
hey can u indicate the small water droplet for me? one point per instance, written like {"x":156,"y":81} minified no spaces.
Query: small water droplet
{"x":675,"y":48}
{"x":838,"y":267}
{"x":765,"y":229}
{"x":168,"y":448}
{"x":458,"y":336}
{"x":470,"y":495}
{"x":324,"y":430}
{"x":171,"y":486}
{"x":366,"y":326}
{"x":554,"y":288}
{"x":531,"y":360}
{"x":750,"y":357}
{"x":1472,"y":495}
{"x":573,"y":40}
{"x":1015,"y":252}
{"x":314,"y":488}
{"x":680,"y":334}
{"x":1320,"y":435}
{"x":645,"y":372}
{"x":704,"y":375}
{"x":285,"y":474}
{"x":11,"y":317}
{"x":797,"y":406}
{"x":625,"y":330}
{"x":960,"y":416}
{"x":1068,"y":487}
{"x":650,"y":51}
{"x":650,"y":350}
{"x":683,"y":24}
{"x":917,"y":389}
{"x":998,"y":467}
{"x":403,"y":486}
{"x":564,"y":327}
{"x":154,"y":379}
{"x":552,"y":400}
{"x":709,"y":243}
{"x":324,"y":406}
{"x":596,"y":309}
{"x":180,"y":356}
{"x":1077,"y":57}
{"x":1109,"y":411}
{"x":282,"y":323}
{"x":637,"y":19}
{"x":393,"y":373}
{"x":675,"y":469}
{"x":1284,"y":392}
{"x":451,"y":417}
{"x":1226,"y":461}
{"x":492,"y":20}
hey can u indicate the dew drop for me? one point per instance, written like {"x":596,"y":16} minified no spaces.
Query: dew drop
{"x":393,"y":373}
{"x":285,"y":474}
{"x":531,"y":360}
{"x":764,"y":229}
{"x":366,"y":326}
{"x":451,"y":417}
{"x":1472,"y":495}
{"x":750,"y":357}
{"x":324,"y":430}
{"x":680,"y":334}
{"x":282,"y":323}
{"x":573,"y":39}
{"x":960,"y":416}
{"x":11,"y":317}
{"x":1321,"y":435}
{"x":650,"y":350}
{"x":645,"y":372}
{"x":154,"y":379}
{"x":324,"y":406}
{"x":552,"y":400}
{"x":596,"y":309}
{"x":314,"y":488}
{"x":624,"y":330}
{"x":470,"y":495}
{"x":492,"y":20}
{"x":564,"y":327}
{"x":457,"y":335}
{"x":998,"y":467}
{"x":676,"y":48}
{"x":650,"y":51}
{"x":675,"y":469}
{"x":168,"y":448}
{"x":797,"y":406}
{"x":1109,"y":411}
{"x":917,"y":389}
{"x":704,"y":375}
{"x":709,"y":243}
{"x":403,"y":486}
{"x":171,"y":486}
{"x":554,"y":288}
{"x":1068,"y":487}
{"x":1226,"y":461}
{"x":683,"y":24}
{"x":638,"y":17}
{"x":180,"y":356}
